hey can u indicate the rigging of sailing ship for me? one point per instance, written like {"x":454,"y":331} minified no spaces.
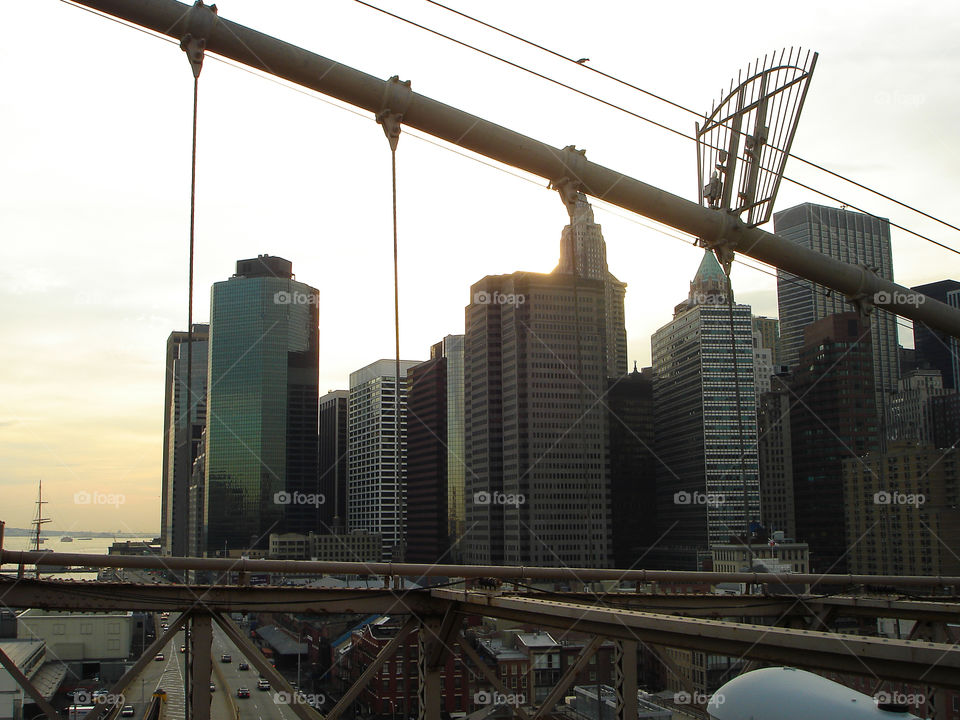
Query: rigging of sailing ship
{"x":39,"y":520}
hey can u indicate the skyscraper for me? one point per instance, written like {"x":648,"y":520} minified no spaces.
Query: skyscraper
{"x":426,"y":477}
{"x":836,"y":420}
{"x":333,"y":459}
{"x":775,"y":453}
{"x":583,"y":253}
{"x":435,"y":465}
{"x":769,"y":329}
{"x":933,"y":346}
{"x":537,"y":354}
{"x":854,"y":238}
{"x":376,"y":500}
{"x":633,"y":466}
{"x":261,"y":456}
{"x":703,"y":476}
{"x":901,"y":511}
{"x":181,"y":436}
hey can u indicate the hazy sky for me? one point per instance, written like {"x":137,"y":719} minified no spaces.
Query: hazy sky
{"x":95,"y":122}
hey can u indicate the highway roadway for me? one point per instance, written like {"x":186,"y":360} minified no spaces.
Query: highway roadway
{"x":262,"y":704}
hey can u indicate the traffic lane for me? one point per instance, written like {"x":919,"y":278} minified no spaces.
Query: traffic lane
{"x":261,"y":705}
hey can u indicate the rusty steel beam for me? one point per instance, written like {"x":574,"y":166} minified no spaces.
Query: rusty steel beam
{"x":386,"y":652}
{"x":490,"y":676}
{"x":70,"y":595}
{"x":301,"y":709}
{"x":23,"y":681}
{"x":935,"y":663}
{"x":566,"y":169}
{"x":146,"y":657}
{"x":506,"y":572}
{"x":720,"y":606}
{"x":560,"y":689}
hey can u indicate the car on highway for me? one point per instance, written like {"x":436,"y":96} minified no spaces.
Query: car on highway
{"x":213,"y":688}
{"x":263,"y":684}
{"x":183,"y":648}
{"x":158,"y":656}
{"x":243,"y":692}
{"x":243,"y":666}
{"x":127,"y":711}
{"x":225,"y":658}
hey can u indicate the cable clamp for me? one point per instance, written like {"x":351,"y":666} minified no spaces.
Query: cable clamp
{"x":861,"y":299}
{"x":200,"y":20}
{"x":396,"y":99}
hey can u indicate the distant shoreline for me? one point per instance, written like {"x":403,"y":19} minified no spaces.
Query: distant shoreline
{"x":29,"y":532}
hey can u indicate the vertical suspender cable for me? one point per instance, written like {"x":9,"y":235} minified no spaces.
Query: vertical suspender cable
{"x":736,"y":385}
{"x":390,"y":119}
{"x":396,"y":327}
{"x":193,"y":207}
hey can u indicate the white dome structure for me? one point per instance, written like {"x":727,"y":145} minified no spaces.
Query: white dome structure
{"x":785,"y":693}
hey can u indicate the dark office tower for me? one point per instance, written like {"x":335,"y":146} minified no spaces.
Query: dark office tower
{"x":836,"y":420}
{"x":700,"y":476}
{"x":933,"y":346}
{"x":333,"y":459}
{"x":537,"y":354}
{"x":181,"y":437}
{"x":435,"y":465}
{"x":945,"y":420}
{"x":776,"y":457}
{"x":854,"y":238}
{"x":633,"y":466}
{"x":953,"y":300}
{"x":261,"y":459}
{"x":427,"y":539}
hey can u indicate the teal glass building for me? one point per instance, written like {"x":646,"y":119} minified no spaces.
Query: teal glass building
{"x":262,"y":400}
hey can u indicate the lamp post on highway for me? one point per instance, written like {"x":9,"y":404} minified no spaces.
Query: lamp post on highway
{"x":299,"y":644}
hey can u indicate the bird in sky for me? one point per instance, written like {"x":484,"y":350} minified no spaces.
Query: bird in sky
{"x":581,"y":61}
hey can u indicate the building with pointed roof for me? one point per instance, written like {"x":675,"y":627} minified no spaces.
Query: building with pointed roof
{"x":701,"y":481}
{"x":538,"y":352}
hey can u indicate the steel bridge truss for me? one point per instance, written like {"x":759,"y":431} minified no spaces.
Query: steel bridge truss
{"x":783,"y":629}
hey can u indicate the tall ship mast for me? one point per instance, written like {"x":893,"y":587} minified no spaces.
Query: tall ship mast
{"x":39,"y":520}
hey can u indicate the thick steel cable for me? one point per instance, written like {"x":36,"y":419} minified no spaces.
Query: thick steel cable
{"x":682,"y":107}
{"x":662,"y":126}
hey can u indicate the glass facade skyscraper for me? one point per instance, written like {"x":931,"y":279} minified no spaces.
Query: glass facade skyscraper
{"x":261,"y":455}
{"x":701,"y":479}
{"x":181,"y":436}
{"x":854,"y":238}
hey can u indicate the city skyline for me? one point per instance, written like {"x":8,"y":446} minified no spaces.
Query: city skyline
{"x":81,"y":423}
